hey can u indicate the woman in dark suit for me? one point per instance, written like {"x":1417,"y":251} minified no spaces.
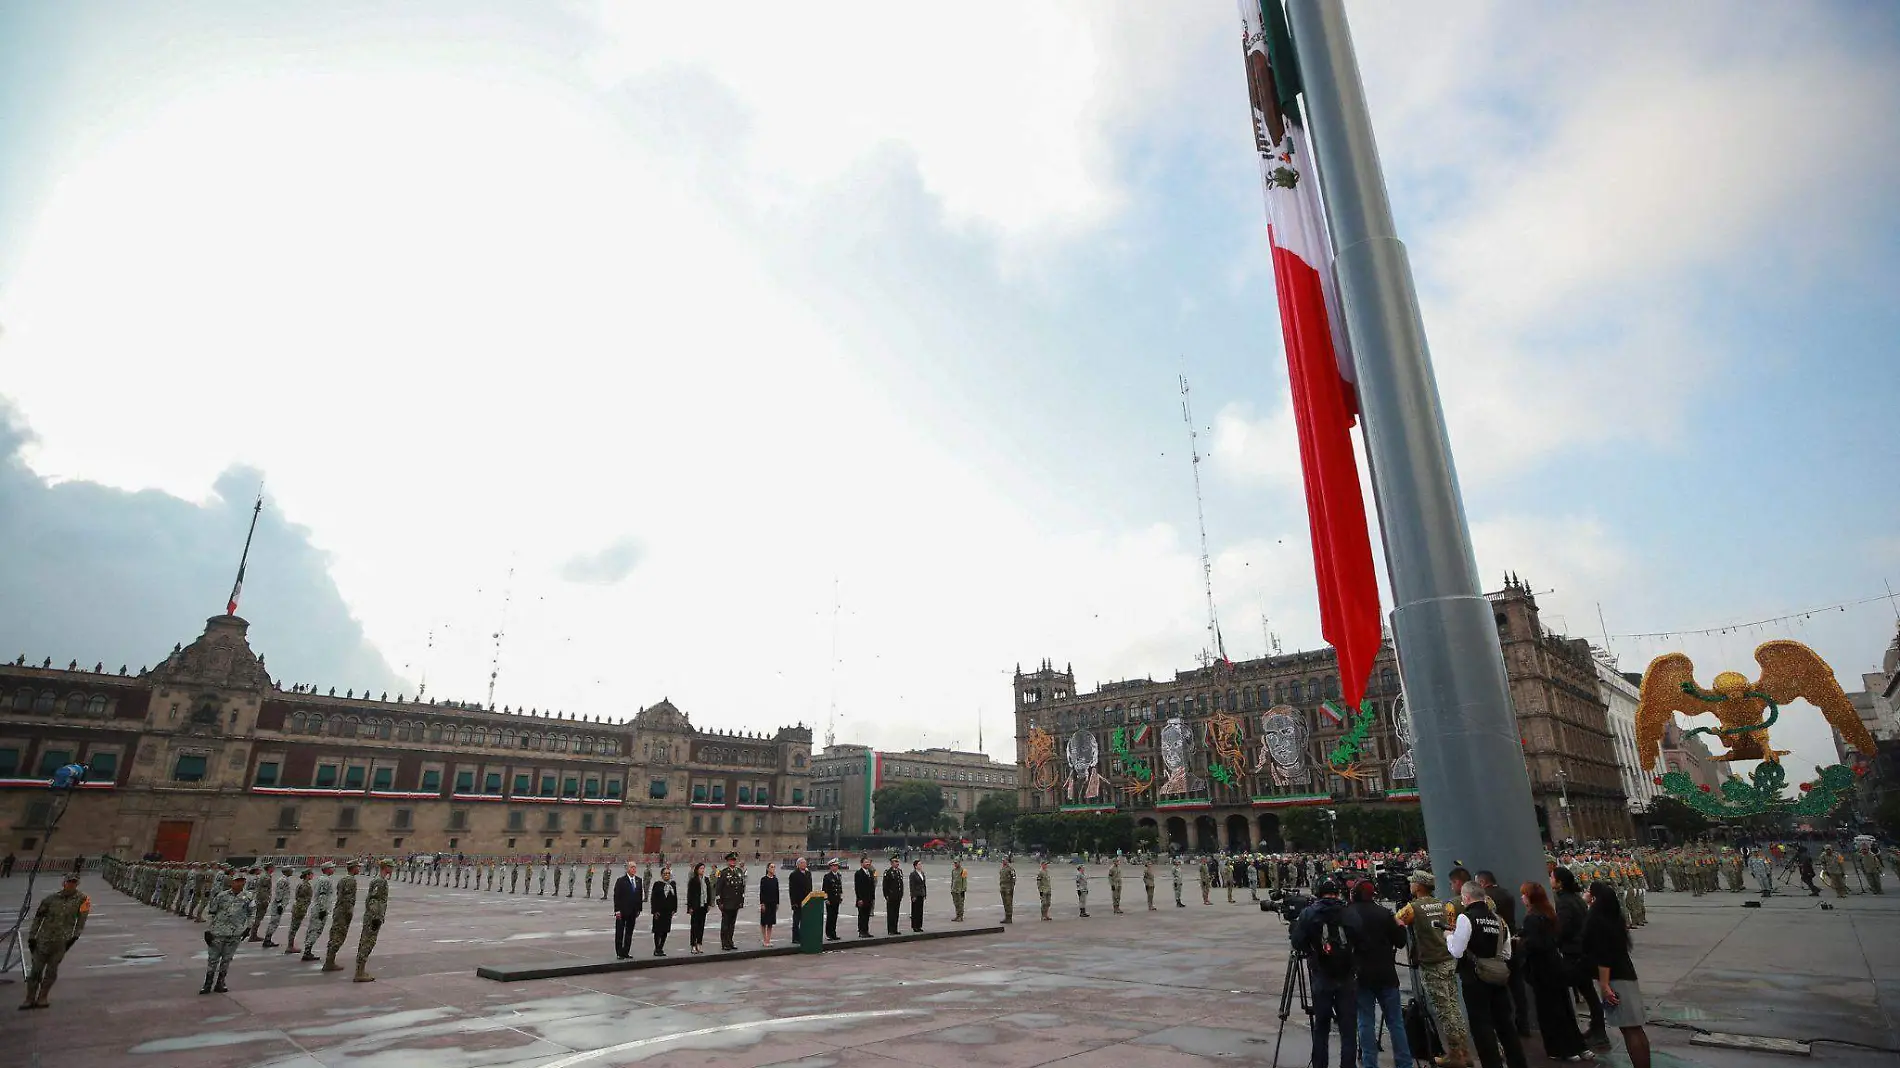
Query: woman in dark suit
{"x":699,"y":899}
{"x":768,"y":902}
{"x":663,"y":900}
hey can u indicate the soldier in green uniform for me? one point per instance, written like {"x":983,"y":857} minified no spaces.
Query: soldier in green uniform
{"x":1114,"y":885}
{"x":1835,"y":870}
{"x":1082,"y":890}
{"x":57,"y":924}
{"x":590,"y":881}
{"x":266,"y":883}
{"x":1148,"y":882}
{"x":1207,"y":883}
{"x":340,"y":914}
{"x":300,"y":905}
{"x":1430,"y":920}
{"x":375,"y":907}
{"x":229,"y":920}
{"x":1006,"y":886}
{"x":1732,"y":870}
{"x":1043,"y":889}
{"x":729,"y":891}
{"x":959,"y":886}
{"x":1178,"y":903}
{"x":1869,"y":862}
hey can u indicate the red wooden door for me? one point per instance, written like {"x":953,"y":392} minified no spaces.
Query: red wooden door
{"x":652,"y":845}
{"x":173,"y":840}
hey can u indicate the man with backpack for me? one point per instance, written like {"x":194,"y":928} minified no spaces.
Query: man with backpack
{"x":1323,"y":934}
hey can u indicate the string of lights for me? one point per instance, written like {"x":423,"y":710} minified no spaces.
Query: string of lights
{"x":1805,"y":613}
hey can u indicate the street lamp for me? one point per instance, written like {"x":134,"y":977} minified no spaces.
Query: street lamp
{"x":1332,"y":830}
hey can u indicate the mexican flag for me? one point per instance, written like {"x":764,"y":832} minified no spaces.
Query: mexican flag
{"x":1319,"y":366}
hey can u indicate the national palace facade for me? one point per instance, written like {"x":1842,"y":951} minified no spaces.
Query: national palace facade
{"x":204,"y":757}
{"x":1211,"y":757}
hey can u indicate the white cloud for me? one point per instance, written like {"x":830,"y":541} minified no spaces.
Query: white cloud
{"x":1260,"y":450}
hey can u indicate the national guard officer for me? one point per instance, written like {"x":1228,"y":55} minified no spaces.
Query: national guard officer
{"x":1178,"y":903}
{"x":341,"y":913}
{"x":302,"y":906}
{"x":1043,"y":889}
{"x":893,"y":886}
{"x":320,"y":900}
{"x":959,"y":886}
{"x":375,"y":907}
{"x":280,"y":893}
{"x":1082,"y":890}
{"x":1207,"y":883}
{"x":1006,"y":886}
{"x":229,"y":922}
{"x":834,"y":899}
{"x":1148,"y":882}
{"x":917,"y":895}
{"x":57,"y":924}
{"x":1115,"y":885}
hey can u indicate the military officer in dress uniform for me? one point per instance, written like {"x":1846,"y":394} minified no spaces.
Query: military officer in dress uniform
{"x":833,"y":885}
{"x":893,"y":886}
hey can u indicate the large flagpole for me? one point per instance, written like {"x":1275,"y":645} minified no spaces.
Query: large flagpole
{"x":1471,"y":780}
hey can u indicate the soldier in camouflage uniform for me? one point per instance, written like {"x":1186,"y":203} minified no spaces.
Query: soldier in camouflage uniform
{"x":279,"y":901}
{"x":1177,"y":884}
{"x":57,"y":924}
{"x":320,"y":902}
{"x":1148,"y":882}
{"x":959,"y":888}
{"x":205,"y":889}
{"x":572,"y":870}
{"x":1006,"y":886}
{"x":1082,"y":890}
{"x":301,"y":906}
{"x":590,"y":880}
{"x":1835,"y":870}
{"x":229,"y":922}
{"x":375,"y":907}
{"x":266,"y":886}
{"x":1732,"y":870}
{"x":1437,"y":968}
{"x":1207,"y":883}
{"x":1114,"y":886}
{"x":1869,"y":862}
{"x":340,"y":916}
{"x":1043,"y":889}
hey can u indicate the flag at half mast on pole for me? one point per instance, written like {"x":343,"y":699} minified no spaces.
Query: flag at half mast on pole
{"x":1319,"y":364}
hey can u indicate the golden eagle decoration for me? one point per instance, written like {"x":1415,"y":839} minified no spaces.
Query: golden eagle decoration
{"x":1746,"y":710}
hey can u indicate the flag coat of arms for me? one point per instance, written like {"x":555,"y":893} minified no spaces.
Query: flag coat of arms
{"x":1319,"y":364}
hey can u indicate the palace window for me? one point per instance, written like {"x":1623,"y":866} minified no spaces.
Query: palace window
{"x":798,"y":796}
{"x":326,"y":776}
{"x":432,"y":779}
{"x":697,"y":823}
{"x":491,"y":783}
{"x":591,"y":788}
{"x":383,"y":730}
{"x":384,"y":778}
{"x":9,"y":762}
{"x":547,"y":786}
{"x":718,"y":792}
{"x":524,"y":783}
{"x":266,"y":773}
{"x":570,"y":787}
{"x":517,"y":820}
{"x":699,"y":792}
{"x":287,"y":818}
{"x":51,"y":760}
{"x":44,"y":705}
{"x":656,"y":789}
{"x":745,"y":794}
{"x":346,"y":818}
{"x":587,"y":822}
{"x":403,"y":819}
{"x":465,"y":782}
{"x":96,"y":707}
{"x":353,"y":777}
{"x":458,"y":819}
{"x":553,"y":821}
{"x":464,"y":737}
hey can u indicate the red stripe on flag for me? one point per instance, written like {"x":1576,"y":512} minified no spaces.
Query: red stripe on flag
{"x":1335,"y":512}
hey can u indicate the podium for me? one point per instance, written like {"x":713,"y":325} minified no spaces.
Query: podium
{"x":811,"y":923}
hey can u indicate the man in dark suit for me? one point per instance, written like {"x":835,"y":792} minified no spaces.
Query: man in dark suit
{"x":665,"y":899}
{"x":893,"y":895}
{"x":864,"y":884}
{"x":629,"y":895}
{"x":834,"y":897}
{"x":800,"y":886}
{"x":916,"y":895}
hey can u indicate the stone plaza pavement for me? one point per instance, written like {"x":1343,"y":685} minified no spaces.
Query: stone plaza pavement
{"x":1177,"y":987}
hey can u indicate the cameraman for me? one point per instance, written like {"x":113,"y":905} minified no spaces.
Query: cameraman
{"x":1323,"y":934}
{"x":1375,"y":935}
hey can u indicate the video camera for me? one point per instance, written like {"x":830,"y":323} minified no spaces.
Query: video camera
{"x":1288,"y":903}
{"x":69,"y":777}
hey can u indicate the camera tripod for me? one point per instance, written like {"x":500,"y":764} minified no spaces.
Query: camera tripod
{"x":1294,"y":983}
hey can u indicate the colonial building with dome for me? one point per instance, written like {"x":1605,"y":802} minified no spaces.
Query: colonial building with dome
{"x":204,"y":757}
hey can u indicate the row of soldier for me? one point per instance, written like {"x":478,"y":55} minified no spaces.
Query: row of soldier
{"x":239,"y":905}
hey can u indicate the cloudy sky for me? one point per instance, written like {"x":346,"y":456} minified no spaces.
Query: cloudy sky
{"x":667,"y":322}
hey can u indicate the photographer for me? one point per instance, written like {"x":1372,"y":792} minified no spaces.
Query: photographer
{"x":1375,"y":935}
{"x":1323,"y":934}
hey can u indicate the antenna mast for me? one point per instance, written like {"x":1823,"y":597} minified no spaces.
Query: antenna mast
{"x":494,"y":666}
{"x":1200,"y":515}
{"x":831,"y":719}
